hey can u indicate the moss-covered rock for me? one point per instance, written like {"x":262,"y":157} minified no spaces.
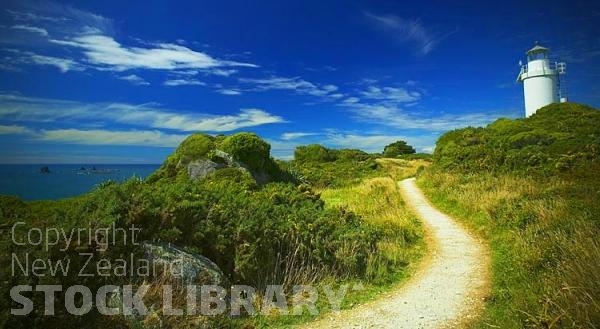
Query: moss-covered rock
{"x":249,"y":149}
{"x":195,"y":147}
{"x":200,"y":155}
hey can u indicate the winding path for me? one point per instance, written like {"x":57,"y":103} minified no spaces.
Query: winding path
{"x":446,"y":291}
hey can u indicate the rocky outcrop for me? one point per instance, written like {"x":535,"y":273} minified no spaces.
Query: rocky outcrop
{"x":199,"y":169}
{"x":200,"y":155}
{"x":190,"y":268}
{"x":259,"y":176}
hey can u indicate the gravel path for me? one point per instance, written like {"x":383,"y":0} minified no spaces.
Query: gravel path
{"x":446,"y":291}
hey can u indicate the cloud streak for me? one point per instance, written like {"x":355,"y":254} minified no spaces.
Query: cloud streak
{"x":134,"y":79}
{"x":106,"y":53}
{"x":32,"y":29}
{"x":296,"y":135}
{"x":153,"y":138}
{"x":27,"y":57}
{"x":13,"y":130}
{"x":409,"y":31}
{"x":390,"y":94}
{"x":183,"y":82}
{"x":396,"y":117}
{"x":20,"y":109}
{"x":295,"y":84}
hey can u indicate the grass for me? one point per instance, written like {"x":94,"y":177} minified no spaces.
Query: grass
{"x":379,"y":202}
{"x":399,"y":169}
{"x":543,"y":235}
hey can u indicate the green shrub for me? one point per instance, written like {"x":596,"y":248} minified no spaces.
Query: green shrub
{"x":397,"y":148}
{"x":314,"y":153}
{"x":559,"y":138}
{"x":247,"y":148}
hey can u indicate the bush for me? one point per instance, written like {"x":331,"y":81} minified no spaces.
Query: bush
{"x":323,"y":167}
{"x":397,"y":148}
{"x":314,"y":153}
{"x":247,"y":148}
{"x":559,"y":138}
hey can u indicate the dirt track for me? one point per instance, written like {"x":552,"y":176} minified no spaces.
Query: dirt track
{"x":446,"y":291}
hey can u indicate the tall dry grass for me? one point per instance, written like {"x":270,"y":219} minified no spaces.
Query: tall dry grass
{"x":544,"y":239}
{"x":379,"y":202}
{"x":399,"y":169}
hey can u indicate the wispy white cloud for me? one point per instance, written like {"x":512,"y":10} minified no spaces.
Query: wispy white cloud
{"x":134,"y":79}
{"x":32,"y":29}
{"x":229,"y":92}
{"x":368,"y":143}
{"x":31,"y":58}
{"x":63,"y":64}
{"x":19,"y":109}
{"x":326,"y":68}
{"x":106,"y":53}
{"x":183,"y":82}
{"x":283,"y":148}
{"x":89,"y":41}
{"x":222,"y":72}
{"x":111,"y":137}
{"x":387,"y":106}
{"x":29,"y":16}
{"x":396,"y":95}
{"x":295,"y":84}
{"x":296,"y":135}
{"x":13,"y":130}
{"x":62,"y":18}
{"x":375,"y":143}
{"x":407,"y":30}
{"x":397,"y":117}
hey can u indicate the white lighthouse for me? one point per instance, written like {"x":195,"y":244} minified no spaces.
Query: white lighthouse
{"x":540,"y":79}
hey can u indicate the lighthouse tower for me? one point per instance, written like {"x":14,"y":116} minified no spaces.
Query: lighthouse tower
{"x":540,"y":79}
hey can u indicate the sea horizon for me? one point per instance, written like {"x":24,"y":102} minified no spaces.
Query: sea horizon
{"x":30,"y":183}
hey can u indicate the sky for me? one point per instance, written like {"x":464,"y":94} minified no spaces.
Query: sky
{"x":126,"y":81}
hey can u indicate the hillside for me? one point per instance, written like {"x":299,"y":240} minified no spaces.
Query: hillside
{"x":530,"y":187}
{"x":558,"y":138}
{"x":236,"y":215}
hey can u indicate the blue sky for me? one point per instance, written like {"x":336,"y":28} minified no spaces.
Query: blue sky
{"x":126,"y":81}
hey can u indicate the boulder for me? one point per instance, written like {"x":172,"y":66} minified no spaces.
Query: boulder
{"x":190,"y":268}
{"x":199,"y":169}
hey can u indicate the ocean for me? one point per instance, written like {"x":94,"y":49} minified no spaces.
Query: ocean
{"x":63,"y":181}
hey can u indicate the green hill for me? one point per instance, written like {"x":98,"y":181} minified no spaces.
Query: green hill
{"x":557,"y":138}
{"x":531,"y":188}
{"x":221,"y":197}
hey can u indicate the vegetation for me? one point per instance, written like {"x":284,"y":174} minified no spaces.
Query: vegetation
{"x":560,"y":138}
{"x":322,"y":167}
{"x":530,"y":187}
{"x":397,"y":148}
{"x":401,"y":245}
{"x":279,"y":231}
{"x":379,"y":202}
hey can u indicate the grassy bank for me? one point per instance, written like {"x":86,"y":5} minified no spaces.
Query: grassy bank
{"x":543,"y":236}
{"x":377,"y":201}
{"x":530,"y":188}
